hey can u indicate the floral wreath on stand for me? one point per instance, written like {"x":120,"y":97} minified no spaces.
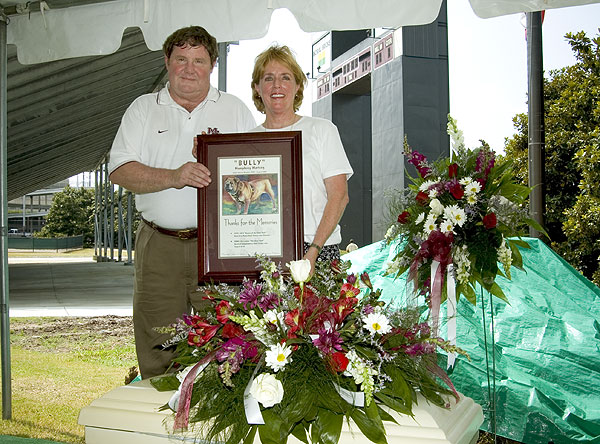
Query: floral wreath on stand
{"x":458,"y":219}
{"x":300,"y":356}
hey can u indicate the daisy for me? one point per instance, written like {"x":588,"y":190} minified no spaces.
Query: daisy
{"x":465,"y":181}
{"x":456,"y":215}
{"x":278,"y":356}
{"x":377,"y":323}
{"x":446,"y":226}
{"x":430,"y":224}
{"x":472,"y":188}
{"x":425,"y":185}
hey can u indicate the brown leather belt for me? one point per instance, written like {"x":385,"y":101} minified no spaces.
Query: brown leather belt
{"x":188,"y":233}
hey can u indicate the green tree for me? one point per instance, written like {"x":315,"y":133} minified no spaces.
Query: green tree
{"x":71,"y":214}
{"x":572,"y":165}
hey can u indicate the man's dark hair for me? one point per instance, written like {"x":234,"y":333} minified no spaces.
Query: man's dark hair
{"x":192,"y":36}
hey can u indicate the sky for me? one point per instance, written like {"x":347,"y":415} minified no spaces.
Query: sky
{"x":487,"y":62}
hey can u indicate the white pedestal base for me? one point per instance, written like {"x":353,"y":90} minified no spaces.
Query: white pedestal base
{"x":129,"y":415}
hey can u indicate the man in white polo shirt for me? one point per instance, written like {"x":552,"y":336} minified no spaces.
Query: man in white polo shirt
{"x":152,"y":156}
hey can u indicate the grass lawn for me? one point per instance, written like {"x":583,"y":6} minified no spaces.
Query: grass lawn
{"x":59,"y":366}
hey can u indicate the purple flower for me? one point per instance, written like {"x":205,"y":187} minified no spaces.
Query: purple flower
{"x":249,"y":296}
{"x":232,"y":355}
{"x":268,"y":301}
{"x":368,"y":309}
{"x":421,"y":330}
{"x":420,"y":348}
{"x":187,"y":319}
{"x":236,"y":349}
{"x":328,"y":341}
{"x":484,"y":164}
{"x":424,"y":329}
{"x":420,"y":162}
{"x":351,"y":279}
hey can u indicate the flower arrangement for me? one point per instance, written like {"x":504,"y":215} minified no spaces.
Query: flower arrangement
{"x":297,"y":356}
{"x":460,"y":214}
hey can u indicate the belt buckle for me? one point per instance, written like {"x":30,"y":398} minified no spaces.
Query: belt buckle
{"x":186,"y":234}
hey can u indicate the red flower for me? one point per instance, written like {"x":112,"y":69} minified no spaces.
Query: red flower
{"x":201,"y":333}
{"x":489,"y":221}
{"x":307,"y":292}
{"x":348,"y":291}
{"x":335,"y":266}
{"x":452,"y":170}
{"x":366,"y":280}
{"x":231,"y":330}
{"x":339,"y":361}
{"x":342,"y":308}
{"x":457,"y":191}
{"x":223,"y":311}
{"x":293,"y":320}
{"x":403,"y":217}
{"x":422,"y":197}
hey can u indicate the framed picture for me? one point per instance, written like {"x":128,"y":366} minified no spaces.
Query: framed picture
{"x":252,"y":206}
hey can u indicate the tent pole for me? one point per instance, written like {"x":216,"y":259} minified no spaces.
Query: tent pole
{"x":536,"y":145}
{"x":222,"y":65}
{"x":120,"y":226}
{"x":5,"y":324}
{"x":96,"y":217}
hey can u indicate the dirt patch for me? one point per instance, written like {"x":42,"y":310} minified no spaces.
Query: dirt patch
{"x":60,"y":334}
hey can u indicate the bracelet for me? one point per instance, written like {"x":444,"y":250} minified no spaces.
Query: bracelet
{"x":316,"y":246}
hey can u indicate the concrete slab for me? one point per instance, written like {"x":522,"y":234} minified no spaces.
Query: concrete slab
{"x":58,"y":287}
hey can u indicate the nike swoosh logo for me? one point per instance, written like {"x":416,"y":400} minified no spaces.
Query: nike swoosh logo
{"x":162,"y":131}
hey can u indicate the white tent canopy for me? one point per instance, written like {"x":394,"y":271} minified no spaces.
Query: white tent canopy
{"x":43,"y":35}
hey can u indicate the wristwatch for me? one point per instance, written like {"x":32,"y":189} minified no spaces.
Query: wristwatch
{"x":319,"y":248}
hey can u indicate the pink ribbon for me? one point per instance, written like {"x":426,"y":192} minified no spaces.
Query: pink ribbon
{"x":437,"y":278}
{"x":183,"y":408}
{"x":437,"y":247}
{"x":436,"y":370}
{"x":451,"y":311}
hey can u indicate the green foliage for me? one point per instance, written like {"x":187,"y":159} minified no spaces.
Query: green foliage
{"x":71,"y":214}
{"x":572,"y":164}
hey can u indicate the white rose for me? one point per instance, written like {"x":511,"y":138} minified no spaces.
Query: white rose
{"x":436,"y":207}
{"x":300,"y":270}
{"x":267,"y":390}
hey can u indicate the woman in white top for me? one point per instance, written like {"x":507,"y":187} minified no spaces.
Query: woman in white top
{"x":277,"y":90}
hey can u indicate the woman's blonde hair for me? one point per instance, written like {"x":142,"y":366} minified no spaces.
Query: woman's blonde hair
{"x":283,"y":55}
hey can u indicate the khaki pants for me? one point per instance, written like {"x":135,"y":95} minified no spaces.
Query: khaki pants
{"x":166,"y":279}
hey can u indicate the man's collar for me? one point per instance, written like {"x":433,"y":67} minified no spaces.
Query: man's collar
{"x":164,"y":98}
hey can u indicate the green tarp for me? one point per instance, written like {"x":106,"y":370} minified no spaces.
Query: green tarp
{"x":547,"y":354}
